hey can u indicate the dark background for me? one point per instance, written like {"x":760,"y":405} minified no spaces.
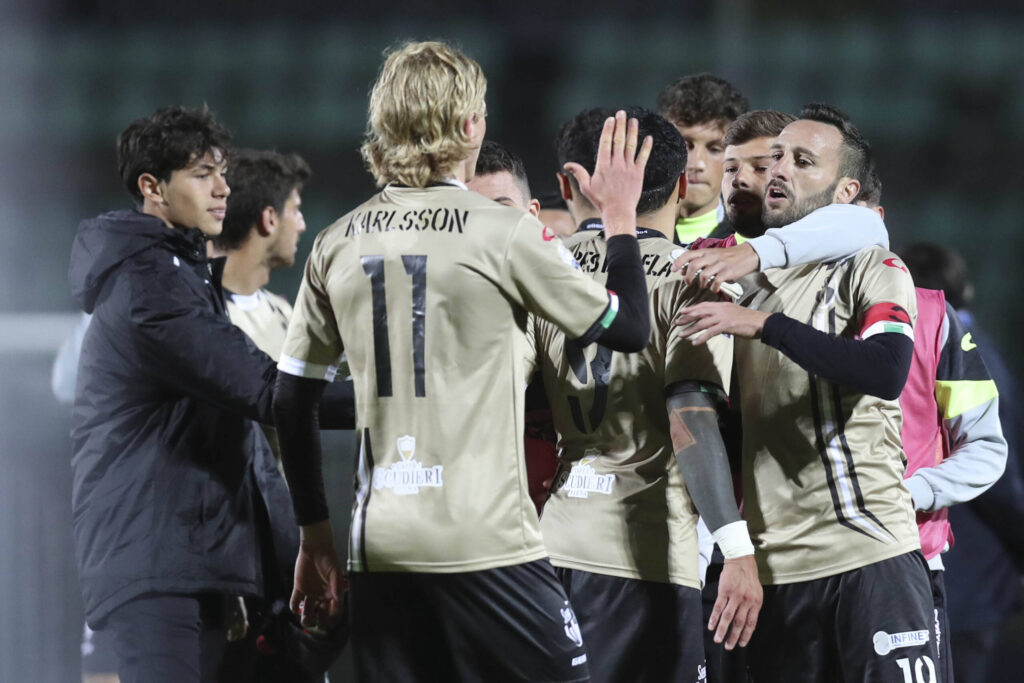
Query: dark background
{"x":938,"y":88}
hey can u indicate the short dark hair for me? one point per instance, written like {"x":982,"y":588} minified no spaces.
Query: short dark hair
{"x":933,"y":266}
{"x":165,"y":142}
{"x":701,"y":98}
{"x":855,"y":158}
{"x":495,"y":158}
{"x":258,"y":179}
{"x":761,"y":123}
{"x":578,"y":139}
{"x":871,"y":188}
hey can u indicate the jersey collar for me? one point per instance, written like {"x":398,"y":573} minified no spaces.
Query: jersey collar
{"x":595,"y":224}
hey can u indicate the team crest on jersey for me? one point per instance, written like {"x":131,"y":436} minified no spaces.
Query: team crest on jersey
{"x":582,"y":480}
{"x":406,"y":477}
{"x":567,"y":256}
{"x":887,"y":642}
{"x":572,"y":627}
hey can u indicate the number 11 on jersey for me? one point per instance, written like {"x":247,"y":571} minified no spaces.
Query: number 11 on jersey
{"x":416,"y":268}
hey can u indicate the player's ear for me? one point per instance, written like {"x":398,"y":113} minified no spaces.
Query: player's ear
{"x":564,"y":186}
{"x":846,"y":191}
{"x":533,"y":207}
{"x":682,"y":186}
{"x":267,"y":224}
{"x":881,"y":211}
{"x":151,"y":189}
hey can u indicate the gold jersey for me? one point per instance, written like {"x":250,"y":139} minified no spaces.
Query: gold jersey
{"x":427,"y":291}
{"x":823,"y":464}
{"x":618,"y":504}
{"x":263,"y":316}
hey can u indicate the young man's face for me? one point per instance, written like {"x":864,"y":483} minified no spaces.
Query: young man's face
{"x":804,"y":172}
{"x":704,"y":148}
{"x":196,"y":196}
{"x":290,"y":226}
{"x":744,"y":179}
{"x":502,"y":188}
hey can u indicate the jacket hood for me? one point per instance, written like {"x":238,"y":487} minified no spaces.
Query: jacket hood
{"x":104,"y":242}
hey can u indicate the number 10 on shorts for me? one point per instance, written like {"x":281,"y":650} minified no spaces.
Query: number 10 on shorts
{"x":922,"y":665}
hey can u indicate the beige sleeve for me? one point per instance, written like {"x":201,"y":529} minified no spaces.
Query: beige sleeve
{"x":541,"y":274}
{"x":710,"y":363}
{"x":880,"y":281}
{"x":312,"y":347}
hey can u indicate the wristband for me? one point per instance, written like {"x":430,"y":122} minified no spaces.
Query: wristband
{"x":734,"y":540}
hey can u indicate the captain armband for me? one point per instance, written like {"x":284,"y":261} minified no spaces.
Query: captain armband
{"x":734,"y":540}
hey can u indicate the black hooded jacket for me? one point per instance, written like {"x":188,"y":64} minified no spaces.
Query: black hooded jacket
{"x":170,"y":469}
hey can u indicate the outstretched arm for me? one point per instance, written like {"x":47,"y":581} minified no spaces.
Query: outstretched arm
{"x":877,"y":365}
{"x":318,"y":572}
{"x":701,"y":458}
{"x":830,"y":233}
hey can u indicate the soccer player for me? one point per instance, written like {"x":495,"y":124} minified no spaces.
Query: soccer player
{"x":702,"y":106}
{"x":262,"y":229}
{"x":501,"y":176}
{"x":638,"y":447}
{"x":827,"y":234}
{"x":261,"y":232}
{"x":951,"y":430}
{"x":982,"y":570}
{"x":170,"y":469}
{"x":426,"y":287}
{"x":846,"y":587}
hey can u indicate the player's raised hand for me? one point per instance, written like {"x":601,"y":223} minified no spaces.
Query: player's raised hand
{"x":319,"y":578}
{"x":618,"y":178}
{"x":734,"y":616}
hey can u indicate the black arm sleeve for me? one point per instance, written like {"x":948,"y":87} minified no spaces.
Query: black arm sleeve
{"x":700,"y":455}
{"x":877,"y":365}
{"x":338,"y":406}
{"x":630,"y":330}
{"x":298,"y":433}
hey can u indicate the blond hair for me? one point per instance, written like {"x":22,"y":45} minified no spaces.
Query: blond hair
{"x":418,"y":108}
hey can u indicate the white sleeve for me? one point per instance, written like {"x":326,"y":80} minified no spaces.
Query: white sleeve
{"x":65,"y":366}
{"x":830,"y":233}
{"x":705,"y":547}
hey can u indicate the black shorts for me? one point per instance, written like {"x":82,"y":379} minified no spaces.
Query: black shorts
{"x":941,"y":626}
{"x":637,"y":630}
{"x":506,"y":624}
{"x":873,"y":624}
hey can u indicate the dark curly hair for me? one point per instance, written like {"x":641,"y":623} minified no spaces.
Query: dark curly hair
{"x":578,"y":139}
{"x":258,"y":179}
{"x":165,"y":142}
{"x":701,"y":98}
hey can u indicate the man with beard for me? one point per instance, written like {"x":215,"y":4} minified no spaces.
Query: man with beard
{"x":846,"y":588}
{"x":829,"y":233}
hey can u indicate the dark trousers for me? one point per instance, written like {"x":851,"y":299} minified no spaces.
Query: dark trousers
{"x":168,"y":638}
